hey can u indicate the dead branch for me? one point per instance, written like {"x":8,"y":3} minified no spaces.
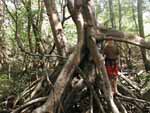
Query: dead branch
{"x":132,"y":84}
{"x":36,"y":90}
{"x":130,"y":99}
{"x":37,"y":100}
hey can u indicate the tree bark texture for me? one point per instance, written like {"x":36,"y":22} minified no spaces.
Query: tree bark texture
{"x":56,"y":26}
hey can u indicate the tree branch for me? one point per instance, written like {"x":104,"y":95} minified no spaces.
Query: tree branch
{"x":125,"y":37}
{"x":37,"y":100}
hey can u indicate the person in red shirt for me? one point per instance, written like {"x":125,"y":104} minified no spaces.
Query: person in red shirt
{"x":111,"y":53}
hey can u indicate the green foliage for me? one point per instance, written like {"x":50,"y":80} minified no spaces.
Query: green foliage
{"x":13,"y":84}
{"x":127,"y":23}
{"x":6,"y":85}
{"x":70,"y":32}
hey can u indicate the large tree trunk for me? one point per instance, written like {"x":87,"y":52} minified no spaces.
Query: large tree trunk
{"x":56,"y":26}
{"x":65,"y":75}
{"x":89,"y":12}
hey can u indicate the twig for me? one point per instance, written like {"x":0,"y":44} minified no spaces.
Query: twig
{"x":36,"y":90}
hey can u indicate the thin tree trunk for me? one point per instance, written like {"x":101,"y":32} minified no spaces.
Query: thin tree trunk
{"x":140,"y":17}
{"x":120,"y":15}
{"x":38,"y":26}
{"x":141,"y":31}
{"x":1,"y":20}
{"x":29,"y":25}
{"x":133,"y":14}
{"x":111,"y":11}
